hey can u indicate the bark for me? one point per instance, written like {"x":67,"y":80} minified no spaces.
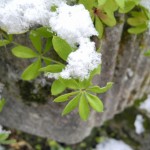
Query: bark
{"x":123,"y":63}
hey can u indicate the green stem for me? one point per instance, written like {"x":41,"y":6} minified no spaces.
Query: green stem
{"x":52,"y":60}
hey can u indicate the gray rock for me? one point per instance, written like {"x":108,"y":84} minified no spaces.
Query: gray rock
{"x":123,"y":63}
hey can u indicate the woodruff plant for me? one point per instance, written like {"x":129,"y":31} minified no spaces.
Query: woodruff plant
{"x":67,"y":29}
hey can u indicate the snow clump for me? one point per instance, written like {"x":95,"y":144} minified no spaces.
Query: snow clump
{"x":113,"y":144}
{"x":139,"y":128}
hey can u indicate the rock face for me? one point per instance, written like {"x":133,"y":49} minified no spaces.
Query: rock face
{"x":123,"y":63}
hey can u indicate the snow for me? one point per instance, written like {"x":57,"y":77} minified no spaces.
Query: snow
{"x":139,"y":128}
{"x":146,"y":104}
{"x":72,"y":22}
{"x":82,"y":61}
{"x":18,"y":16}
{"x":3,"y":131}
{"x":145,"y":3}
{"x":113,"y":144}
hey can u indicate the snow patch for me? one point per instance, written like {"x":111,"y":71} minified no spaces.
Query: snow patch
{"x":145,"y":3}
{"x":18,"y":16}
{"x":3,"y":131}
{"x":146,"y":104}
{"x":139,"y":128}
{"x":112,"y":144}
{"x":72,"y":22}
{"x":82,"y":61}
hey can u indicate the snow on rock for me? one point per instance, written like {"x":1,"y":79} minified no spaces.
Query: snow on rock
{"x":72,"y":22}
{"x":112,"y":144}
{"x":146,"y":104}
{"x":139,"y":128}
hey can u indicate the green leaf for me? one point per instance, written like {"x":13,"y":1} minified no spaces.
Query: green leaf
{"x":36,"y":40}
{"x":120,"y":3}
{"x":129,"y":5}
{"x":135,"y":21}
{"x":65,"y":97}
{"x":97,"y":89}
{"x":108,"y":19}
{"x":88,"y":4}
{"x":44,"y":32}
{"x":99,"y":27}
{"x":84,"y":109}
{"x":2,"y":103}
{"x":84,"y":83}
{"x":95,"y":102}
{"x":110,"y":6}
{"x":57,"y":87}
{"x":4,"y":42}
{"x":32,"y":71}
{"x":138,"y":18}
{"x":24,"y":52}
{"x":70,"y":83}
{"x":48,"y":45}
{"x":71,"y":105}
{"x":147,"y":53}
{"x":4,"y":136}
{"x":96,"y":71}
{"x":101,"y":2}
{"x":8,"y":142}
{"x":92,"y":15}
{"x":53,"y":68}
{"x":138,"y":29}
{"x":62,"y":48}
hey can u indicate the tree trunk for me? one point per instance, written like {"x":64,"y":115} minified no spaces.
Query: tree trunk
{"x":123,"y":63}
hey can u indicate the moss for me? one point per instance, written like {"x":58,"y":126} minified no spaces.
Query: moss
{"x":28,"y":95}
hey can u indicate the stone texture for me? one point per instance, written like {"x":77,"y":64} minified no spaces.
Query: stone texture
{"x":123,"y":63}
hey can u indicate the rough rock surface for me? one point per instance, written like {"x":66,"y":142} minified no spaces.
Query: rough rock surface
{"x":123,"y":63}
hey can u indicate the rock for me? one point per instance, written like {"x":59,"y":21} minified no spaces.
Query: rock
{"x":123,"y":63}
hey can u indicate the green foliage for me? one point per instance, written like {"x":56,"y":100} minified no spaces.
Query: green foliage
{"x":95,"y":102}
{"x":62,"y":48}
{"x":72,"y":104}
{"x":65,"y":97}
{"x":99,"y":26}
{"x":24,"y":52}
{"x":147,"y":53}
{"x":4,"y":139}
{"x":84,"y":96}
{"x":53,"y":68}
{"x":2,"y":103}
{"x":57,"y":87}
{"x":4,"y":42}
{"x":32,"y":71}
{"x":138,"y":21}
{"x":5,"y":39}
{"x":97,"y":89}
{"x":84,"y":109}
